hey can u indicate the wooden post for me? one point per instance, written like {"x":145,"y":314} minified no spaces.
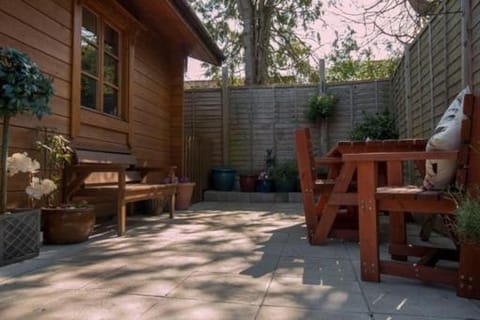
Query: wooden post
{"x":323,"y":123}
{"x":466,"y":43}
{"x":225,"y":116}
{"x":321,"y":75}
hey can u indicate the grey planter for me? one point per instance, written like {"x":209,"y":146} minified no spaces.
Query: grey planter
{"x":19,"y":236}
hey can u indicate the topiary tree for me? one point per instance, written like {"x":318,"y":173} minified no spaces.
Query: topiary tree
{"x":23,"y":90}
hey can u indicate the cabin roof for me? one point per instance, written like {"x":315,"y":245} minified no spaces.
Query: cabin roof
{"x":176,"y":21}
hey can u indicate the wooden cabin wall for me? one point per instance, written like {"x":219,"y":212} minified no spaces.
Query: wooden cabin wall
{"x":43,"y":29}
{"x":156,"y":120}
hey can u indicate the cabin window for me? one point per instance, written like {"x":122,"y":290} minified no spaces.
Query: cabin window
{"x":101,"y":63}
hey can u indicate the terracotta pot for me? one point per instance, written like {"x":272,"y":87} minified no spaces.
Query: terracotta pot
{"x":67,"y":225}
{"x":468,"y":271}
{"x":247,"y":183}
{"x":183,"y":197}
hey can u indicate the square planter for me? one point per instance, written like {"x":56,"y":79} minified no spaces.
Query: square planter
{"x":19,"y":236}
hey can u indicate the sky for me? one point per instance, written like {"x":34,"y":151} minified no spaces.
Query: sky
{"x":330,"y":22}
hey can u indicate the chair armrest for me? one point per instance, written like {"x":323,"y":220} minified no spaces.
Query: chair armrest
{"x":399,"y":156}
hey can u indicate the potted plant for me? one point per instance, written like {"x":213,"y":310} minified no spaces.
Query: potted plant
{"x":63,"y":222}
{"x":23,"y":90}
{"x":468,"y":233}
{"x":264,"y":181}
{"x":248,"y":181}
{"x":285,"y":176}
{"x":183,"y":197}
{"x":321,"y":107}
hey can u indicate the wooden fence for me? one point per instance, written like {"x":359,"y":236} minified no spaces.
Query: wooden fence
{"x":197,"y":164}
{"x":253,"y":119}
{"x":444,"y":58}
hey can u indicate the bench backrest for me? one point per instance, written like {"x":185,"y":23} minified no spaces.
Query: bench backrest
{"x":101,"y":157}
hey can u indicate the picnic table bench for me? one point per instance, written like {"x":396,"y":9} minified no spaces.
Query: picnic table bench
{"x":116,"y":176}
{"x":399,"y":199}
{"x":330,"y":204}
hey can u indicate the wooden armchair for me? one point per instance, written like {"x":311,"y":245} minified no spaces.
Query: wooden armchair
{"x":398,"y":199}
{"x":330,"y":205}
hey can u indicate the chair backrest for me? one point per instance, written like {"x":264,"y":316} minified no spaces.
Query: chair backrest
{"x":468,"y":173}
{"x":305,"y":161}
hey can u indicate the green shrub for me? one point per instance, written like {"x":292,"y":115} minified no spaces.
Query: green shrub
{"x":468,"y":217}
{"x":321,"y":107}
{"x":286,"y":169}
{"x":377,"y":126}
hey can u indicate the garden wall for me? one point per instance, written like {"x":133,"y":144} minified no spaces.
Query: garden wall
{"x":253,"y":119}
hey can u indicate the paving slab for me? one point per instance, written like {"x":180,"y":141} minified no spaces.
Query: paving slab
{"x":218,"y":260}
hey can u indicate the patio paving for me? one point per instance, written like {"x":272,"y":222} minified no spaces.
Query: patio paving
{"x":217,"y":261}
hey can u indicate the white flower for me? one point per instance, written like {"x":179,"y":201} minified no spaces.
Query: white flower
{"x":39,"y":188}
{"x":48,"y":186}
{"x":21,"y":162}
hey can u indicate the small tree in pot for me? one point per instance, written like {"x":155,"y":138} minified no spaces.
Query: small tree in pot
{"x":23,"y":90}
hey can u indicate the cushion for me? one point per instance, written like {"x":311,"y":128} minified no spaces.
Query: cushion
{"x":439,"y":174}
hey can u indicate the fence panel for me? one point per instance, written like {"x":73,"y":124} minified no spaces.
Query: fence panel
{"x":429,"y":75}
{"x":265,"y":117}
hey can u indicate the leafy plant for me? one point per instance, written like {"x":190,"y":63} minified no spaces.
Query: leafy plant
{"x":468,"y":217}
{"x":377,"y":126}
{"x":321,"y":107}
{"x":285,"y":170}
{"x":57,"y":153}
{"x":23,"y":90}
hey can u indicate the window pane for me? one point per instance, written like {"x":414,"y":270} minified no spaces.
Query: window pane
{"x":89,"y":92}
{"x":89,"y":58}
{"x":111,"y":40}
{"x":110,"y":100}
{"x":89,"y":26}
{"x":110,"y":70}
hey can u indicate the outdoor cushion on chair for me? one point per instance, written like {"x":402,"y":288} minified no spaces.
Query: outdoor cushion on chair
{"x":439,"y":174}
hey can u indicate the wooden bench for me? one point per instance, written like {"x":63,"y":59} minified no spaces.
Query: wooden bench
{"x":115,"y":176}
{"x":330,"y":204}
{"x":398,"y":199}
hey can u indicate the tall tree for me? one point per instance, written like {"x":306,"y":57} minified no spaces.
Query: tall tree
{"x":262,"y":35}
{"x":348,"y":62}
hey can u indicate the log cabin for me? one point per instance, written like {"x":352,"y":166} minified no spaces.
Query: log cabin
{"x":118,"y":68}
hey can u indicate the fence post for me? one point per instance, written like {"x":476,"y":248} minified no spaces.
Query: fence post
{"x":466,"y":43}
{"x":323,"y":123}
{"x":225,"y":116}
{"x":321,"y":75}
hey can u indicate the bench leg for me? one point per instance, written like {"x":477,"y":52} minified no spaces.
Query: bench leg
{"x":172,"y":205}
{"x":121,"y":218}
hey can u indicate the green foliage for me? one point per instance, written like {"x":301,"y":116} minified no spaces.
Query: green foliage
{"x":23,"y":88}
{"x":284,"y":56}
{"x":321,"y":107}
{"x":57,"y":153}
{"x":287,"y":169}
{"x":468,"y":217}
{"x":345,"y":67}
{"x":377,"y":126}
